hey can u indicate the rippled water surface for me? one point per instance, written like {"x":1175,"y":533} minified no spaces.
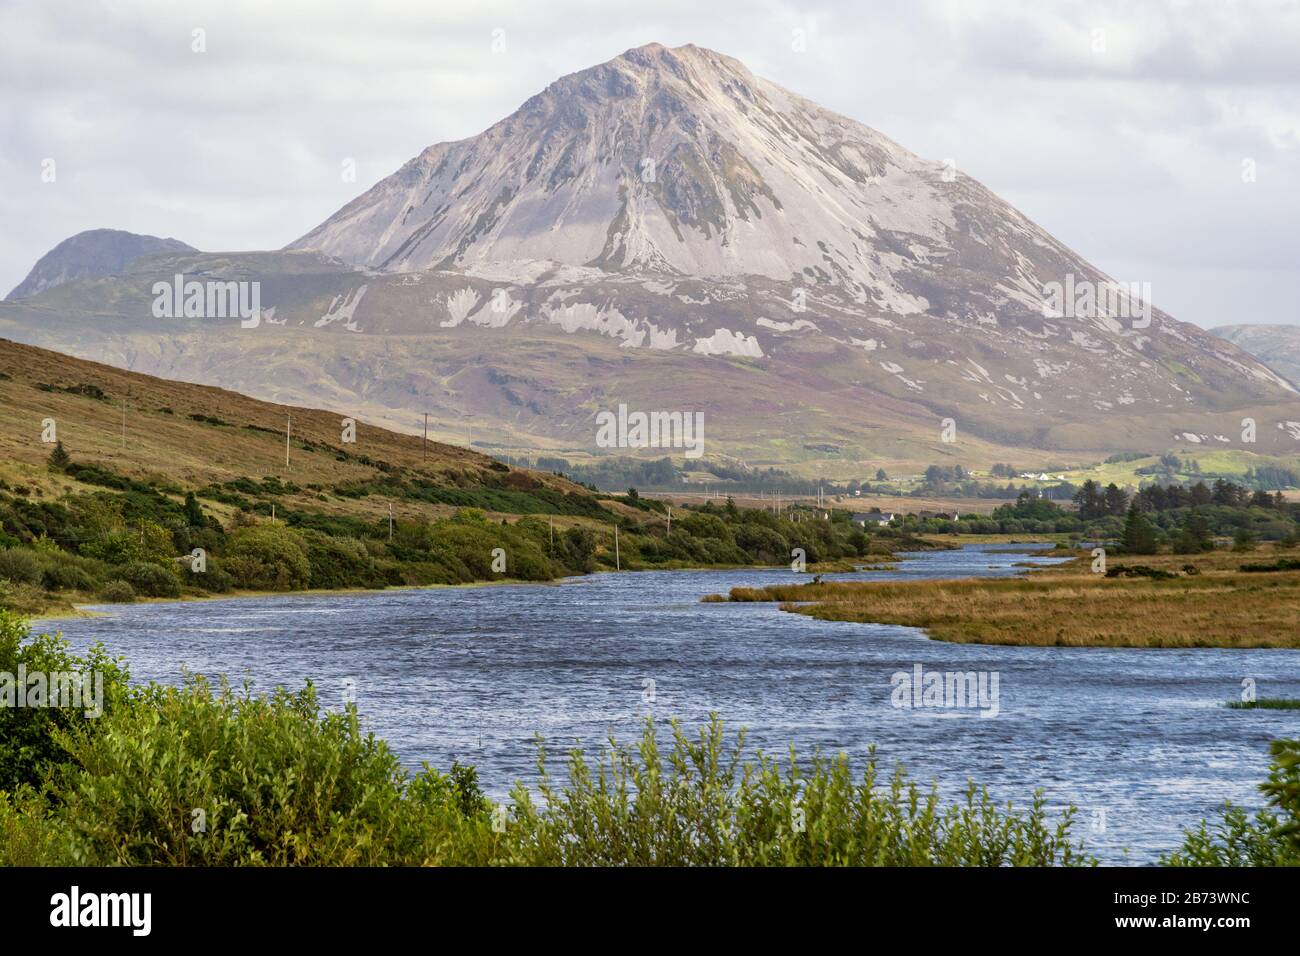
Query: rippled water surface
{"x":1138,"y":739}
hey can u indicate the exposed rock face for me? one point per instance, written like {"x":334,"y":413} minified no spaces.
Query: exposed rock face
{"x":680,"y":173}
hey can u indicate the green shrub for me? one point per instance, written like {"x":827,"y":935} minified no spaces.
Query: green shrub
{"x":20,"y":566}
{"x":144,"y":541}
{"x":216,"y":578}
{"x":23,"y":599}
{"x":1270,"y":838}
{"x":152,"y":580}
{"x":117,"y":591}
{"x":340,"y":562}
{"x":763,"y":545}
{"x":267,"y":557}
{"x":28,"y":744}
{"x":278,"y":782}
{"x":29,"y":833}
{"x":63,"y":577}
{"x":702,"y":805}
{"x":576,"y":549}
{"x":61,"y":571}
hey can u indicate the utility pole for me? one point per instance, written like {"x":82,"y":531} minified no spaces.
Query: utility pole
{"x":390,"y":521}
{"x":550,"y":524}
{"x":424,"y":445}
{"x":618,"y":565}
{"x":124,"y":424}
{"x":288,"y":430}
{"x":670,"y":521}
{"x":272,"y":512}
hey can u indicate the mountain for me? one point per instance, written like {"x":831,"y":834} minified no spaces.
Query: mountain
{"x":670,"y":232}
{"x":1277,"y":346}
{"x":91,"y":255}
{"x":676,"y":163}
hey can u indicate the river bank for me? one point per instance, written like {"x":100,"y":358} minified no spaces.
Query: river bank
{"x":1221,"y":599}
{"x":81,"y":607}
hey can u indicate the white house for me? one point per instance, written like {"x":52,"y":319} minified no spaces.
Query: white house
{"x":874,"y":518}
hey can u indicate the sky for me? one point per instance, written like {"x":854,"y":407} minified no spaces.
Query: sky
{"x":1159,"y":140}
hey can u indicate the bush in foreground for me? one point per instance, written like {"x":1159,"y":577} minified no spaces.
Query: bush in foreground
{"x":204,"y":774}
{"x":1270,"y":838}
{"x":701,"y":804}
{"x":29,"y":735}
{"x":207,"y":775}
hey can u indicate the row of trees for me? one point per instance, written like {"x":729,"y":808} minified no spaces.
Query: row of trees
{"x":1093,"y":501}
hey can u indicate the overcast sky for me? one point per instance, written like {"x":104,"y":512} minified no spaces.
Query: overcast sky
{"x":1126,"y":129}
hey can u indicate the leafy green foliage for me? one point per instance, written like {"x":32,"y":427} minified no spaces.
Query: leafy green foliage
{"x":276,"y":781}
{"x":1270,"y":838}
{"x":20,"y":566}
{"x":28,"y":748}
{"x":703,"y":804}
{"x":208,"y":776}
{"x":152,"y":580}
{"x":267,"y":557}
{"x":59,"y":458}
{"x":117,"y":591}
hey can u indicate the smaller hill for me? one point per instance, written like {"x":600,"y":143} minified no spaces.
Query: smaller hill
{"x":93,"y":254}
{"x":1277,"y":346}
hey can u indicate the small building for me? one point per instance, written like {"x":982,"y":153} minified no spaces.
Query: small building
{"x":873,"y":519}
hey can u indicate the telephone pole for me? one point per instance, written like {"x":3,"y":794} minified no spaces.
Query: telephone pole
{"x":288,"y":430}
{"x":424,"y":444}
{"x":390,"y":521}
{"x":618,"y":565}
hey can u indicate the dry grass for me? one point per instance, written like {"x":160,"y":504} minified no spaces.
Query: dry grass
{"x":1069,"y":606}
{"x":188,"y":453}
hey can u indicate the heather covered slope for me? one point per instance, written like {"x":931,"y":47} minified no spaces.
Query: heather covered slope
{"x":193,"y":436}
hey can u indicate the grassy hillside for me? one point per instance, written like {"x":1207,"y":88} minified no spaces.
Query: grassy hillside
{"x":191,"y":435}
{"x":112,"y":483}
{"x":148,"y":471}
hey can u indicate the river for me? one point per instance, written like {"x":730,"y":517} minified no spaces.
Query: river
{"x":1139,"y":740}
